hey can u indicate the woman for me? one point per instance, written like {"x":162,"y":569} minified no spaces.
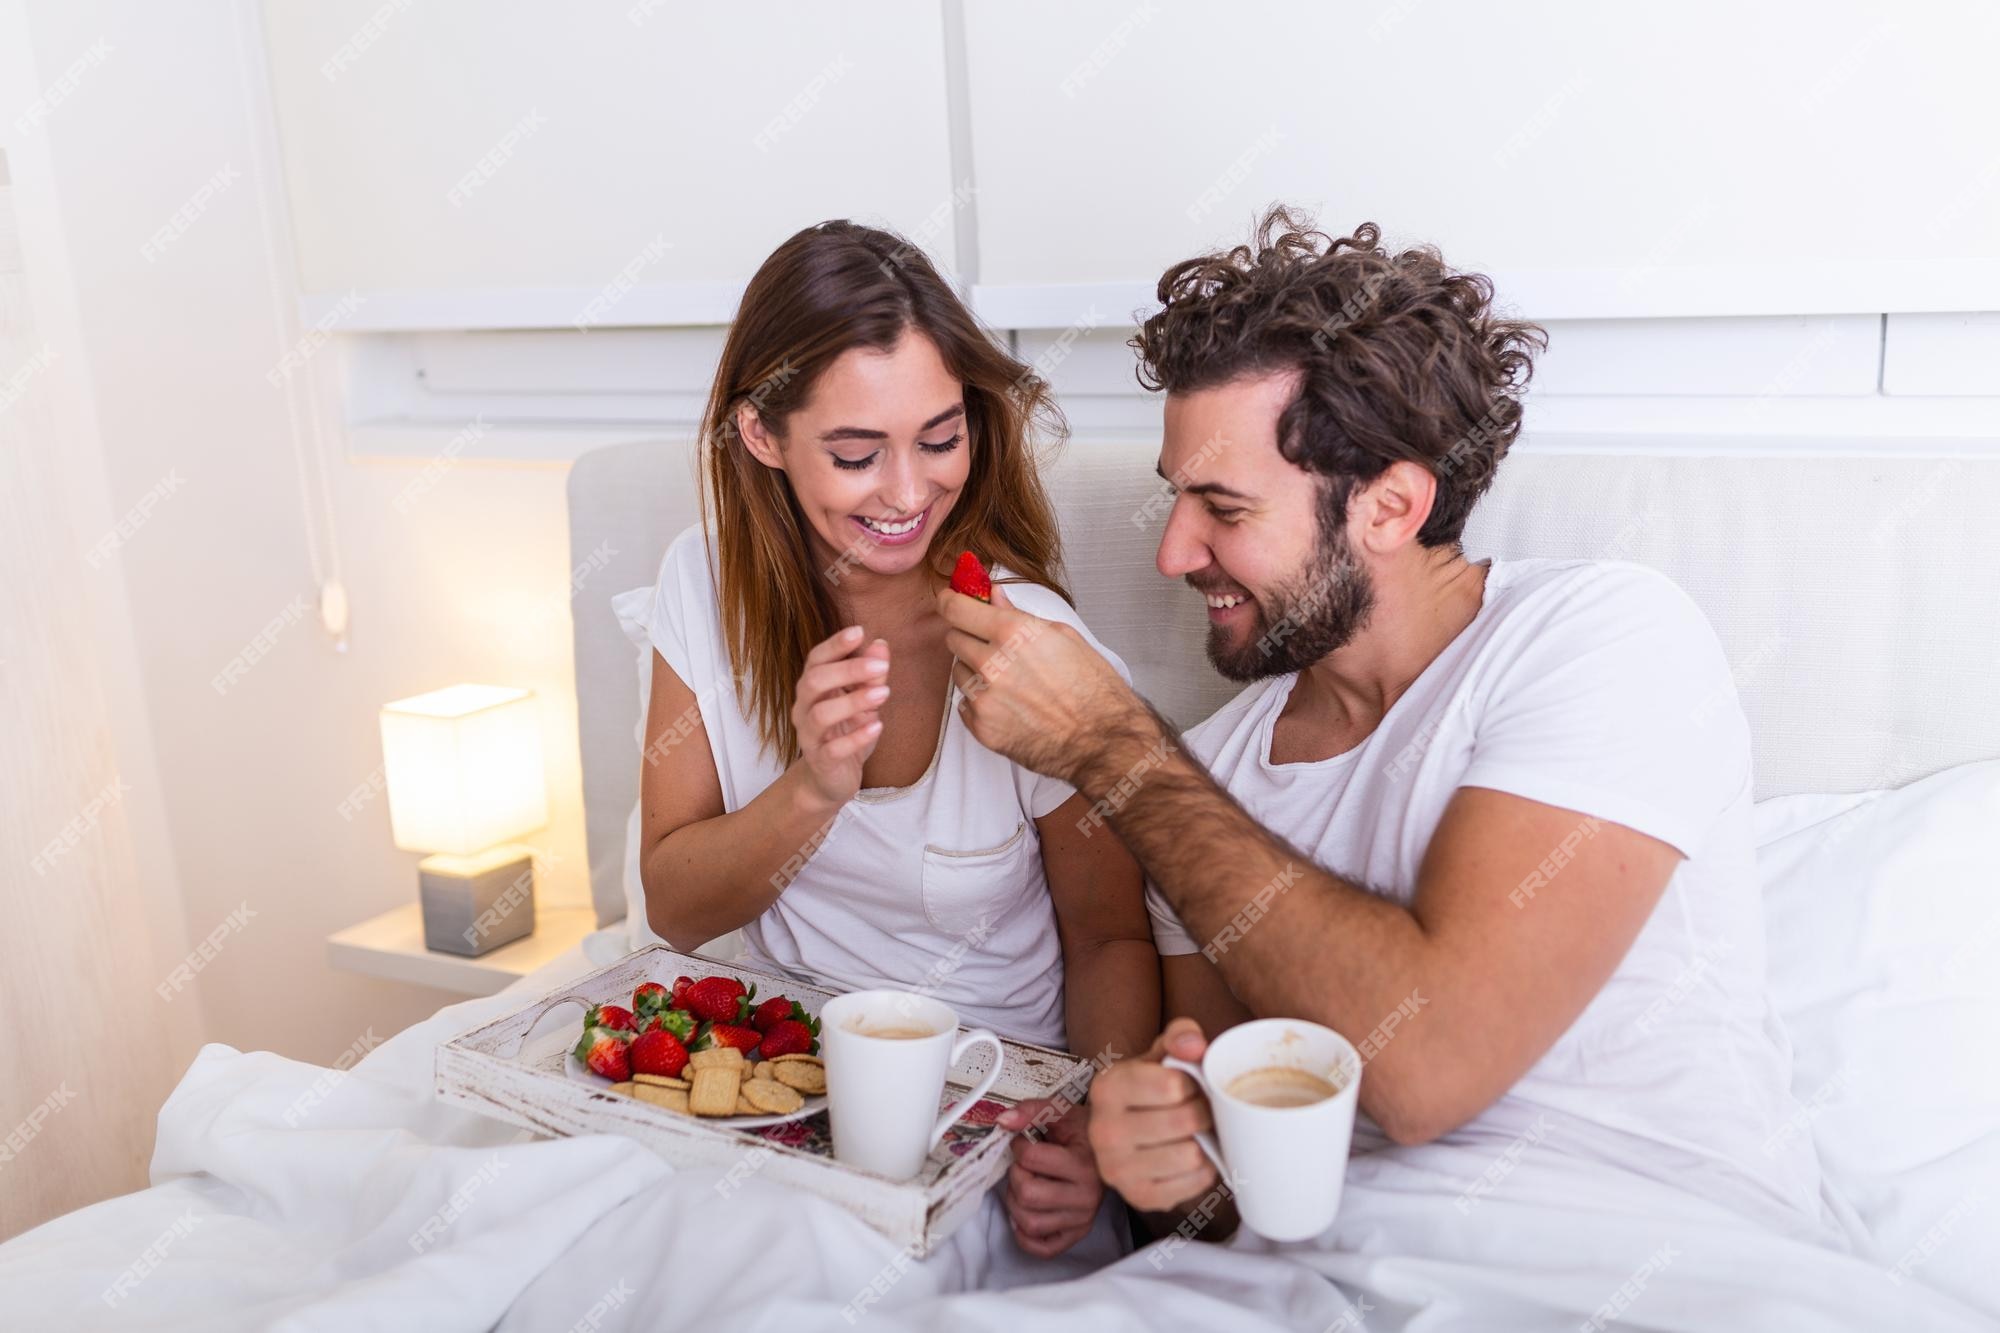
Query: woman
{"x":862,"y":431}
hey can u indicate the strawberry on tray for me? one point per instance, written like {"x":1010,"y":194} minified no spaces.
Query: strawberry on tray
{"x":708,"y":1047}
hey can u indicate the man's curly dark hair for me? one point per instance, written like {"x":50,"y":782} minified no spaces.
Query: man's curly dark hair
{"x":1399,"y":356}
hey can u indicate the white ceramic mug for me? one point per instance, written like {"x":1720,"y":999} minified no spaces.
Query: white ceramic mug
{"x":1285,"y":1163}
{"x":882,"y":1092}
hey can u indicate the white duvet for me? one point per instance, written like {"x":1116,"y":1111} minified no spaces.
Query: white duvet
{"x":286,"y":1199}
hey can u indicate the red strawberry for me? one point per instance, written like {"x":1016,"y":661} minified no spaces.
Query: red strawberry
{"x":649,"y":999}
{"x":680,"y":991}
{"x":728,"y":1034}
{"x":592,"y":1033}
{"x":969,"y":577}
{"x":658,"y":1052}
{"x":605,"y":1054}
{"x":787,"y":1036}
{"x":713,"y":999}
{"x":609,"y":1016}
{"x":773,"y":1009}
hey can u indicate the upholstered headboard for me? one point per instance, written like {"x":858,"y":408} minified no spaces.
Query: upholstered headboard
{"x":1859,"y":597}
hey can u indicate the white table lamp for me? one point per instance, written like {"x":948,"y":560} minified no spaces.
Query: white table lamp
{"x":463,"y":767}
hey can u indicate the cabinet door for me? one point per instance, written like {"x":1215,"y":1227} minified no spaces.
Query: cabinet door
{"x":1607,"y":160}
{"x":511,"y":159}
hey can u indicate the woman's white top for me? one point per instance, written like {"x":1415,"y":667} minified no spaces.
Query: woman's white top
{"x":937,"y":886}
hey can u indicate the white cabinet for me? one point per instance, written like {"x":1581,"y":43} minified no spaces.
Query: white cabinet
{"x":1708,"y":203}
{"x":1598,"y":160}
{"x":465,"y":164}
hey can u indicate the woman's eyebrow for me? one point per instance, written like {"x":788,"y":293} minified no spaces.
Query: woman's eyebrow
{"x":863,"y":433}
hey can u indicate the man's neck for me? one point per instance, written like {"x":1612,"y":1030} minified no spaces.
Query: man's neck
{"x":1418,"y":611}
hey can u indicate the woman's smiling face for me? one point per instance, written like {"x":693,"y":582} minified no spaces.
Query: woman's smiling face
{"x":876,"y":456}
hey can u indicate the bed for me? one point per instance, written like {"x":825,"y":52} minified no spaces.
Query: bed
{"x":1856,"y":597}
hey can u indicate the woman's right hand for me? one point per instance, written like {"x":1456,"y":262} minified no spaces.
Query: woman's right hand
{"x":836,"y":711}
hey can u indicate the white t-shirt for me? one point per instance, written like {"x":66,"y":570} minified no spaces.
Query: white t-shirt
{"x":937,"y":885}
{"x":1597,"y":687}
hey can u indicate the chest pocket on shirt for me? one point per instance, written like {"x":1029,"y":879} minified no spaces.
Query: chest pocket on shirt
{"x":961,"y":887}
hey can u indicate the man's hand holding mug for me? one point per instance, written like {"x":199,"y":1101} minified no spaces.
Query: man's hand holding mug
{"x":1279,"y":1096}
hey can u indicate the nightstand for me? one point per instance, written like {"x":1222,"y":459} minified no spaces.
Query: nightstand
{"x":392,"y":946}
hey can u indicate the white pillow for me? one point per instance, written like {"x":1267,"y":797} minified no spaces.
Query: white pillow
{"x":634,"y":610}
{"x":1883,"y":916}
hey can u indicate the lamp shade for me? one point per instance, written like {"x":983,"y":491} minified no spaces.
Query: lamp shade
{"x":463,"y":767}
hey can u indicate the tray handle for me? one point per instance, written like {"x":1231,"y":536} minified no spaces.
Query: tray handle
{"x":542,"y":1011}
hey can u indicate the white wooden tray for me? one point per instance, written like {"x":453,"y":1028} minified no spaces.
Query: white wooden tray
{"x":512,"y":1069}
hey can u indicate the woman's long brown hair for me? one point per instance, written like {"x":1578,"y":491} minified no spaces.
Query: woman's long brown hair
{"x":830,"y":288}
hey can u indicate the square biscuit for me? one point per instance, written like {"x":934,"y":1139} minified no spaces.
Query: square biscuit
{"x":669,"y":1099}
{"x":714,"y":1091}
{"x":717,"y":1057}
{"x":661,"y":1081}
{"x":624,"y":1089}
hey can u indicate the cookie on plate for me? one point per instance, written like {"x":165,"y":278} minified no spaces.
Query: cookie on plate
{"x":714,"y":1091}
{"x":670,"y":1099}
{"x":809,"y":1078}
{"x":767,"y":1096}
{"x":662,"y":1081}
{"x":716,"y":1057}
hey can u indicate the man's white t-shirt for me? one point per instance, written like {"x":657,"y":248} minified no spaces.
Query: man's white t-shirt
{"x":1600,"y":688}
{"x":938,"y":885}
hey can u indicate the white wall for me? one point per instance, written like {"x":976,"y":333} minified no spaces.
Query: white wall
{"x":470,"y":582}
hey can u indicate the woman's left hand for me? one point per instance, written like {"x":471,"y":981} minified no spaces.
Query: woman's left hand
{"x":1053,"y":1190}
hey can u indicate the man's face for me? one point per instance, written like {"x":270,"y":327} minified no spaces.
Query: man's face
{"x":1258,"y":537}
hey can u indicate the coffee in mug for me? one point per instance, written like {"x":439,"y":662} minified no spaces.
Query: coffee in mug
{"x":887,"y":1056}
{"x":1283,"y":1093}
{"x":888,"y":1032}
{"x":1280,"y":1085}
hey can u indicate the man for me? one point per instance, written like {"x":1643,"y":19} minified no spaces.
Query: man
{"x":1489,"y":821}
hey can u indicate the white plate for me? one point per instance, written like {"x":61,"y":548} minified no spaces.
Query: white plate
{"x":582,"y":1073}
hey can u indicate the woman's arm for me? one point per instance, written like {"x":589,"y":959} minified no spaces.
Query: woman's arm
{"x":1193,"y":987}
{"x":706,"y":872}
{"x":1111,"y":974}
{"x":1111,"y":990}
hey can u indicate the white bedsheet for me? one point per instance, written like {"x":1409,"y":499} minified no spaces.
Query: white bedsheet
{"x":283,"y":1199}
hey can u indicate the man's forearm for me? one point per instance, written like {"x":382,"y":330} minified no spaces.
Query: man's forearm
{"x":1290,"y":937}
{"x":1225,"y":874}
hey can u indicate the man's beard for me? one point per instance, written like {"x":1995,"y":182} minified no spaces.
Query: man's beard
{"x":1310,"y":615}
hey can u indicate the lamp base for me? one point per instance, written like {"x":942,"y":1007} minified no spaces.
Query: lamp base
{"x":474,"y":904}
